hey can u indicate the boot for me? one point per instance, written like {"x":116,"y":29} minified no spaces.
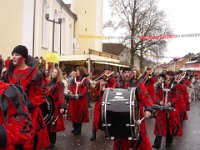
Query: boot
{"x":157,"y":142}
{"x":74,"y":127}
{"x":93,"y":137}
{"x":78,"y":129}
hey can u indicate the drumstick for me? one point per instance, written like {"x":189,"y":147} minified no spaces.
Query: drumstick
{"x":65,"y":114}
{"x":53,"y":123}
{"x":138,"y":122}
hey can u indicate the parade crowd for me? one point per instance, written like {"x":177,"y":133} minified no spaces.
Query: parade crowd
{"x":27,"y":88}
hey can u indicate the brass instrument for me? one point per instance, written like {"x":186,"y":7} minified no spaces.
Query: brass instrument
{"x":103,"y":76}
{"x":180,"y":77}
{"x":102,"y":79}
{"x":145,"y":76}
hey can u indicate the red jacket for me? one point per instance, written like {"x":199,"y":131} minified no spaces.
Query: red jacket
{"x":78,"y":108}
{"x":34,"y":84}
{"x":97,"y":108}
{"x":57,"y":92}
{"x":150,"y":88}
{"x":15,"y":124}
{"x":175,"y":127}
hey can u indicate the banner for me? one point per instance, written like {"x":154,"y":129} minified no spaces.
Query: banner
{"x":52,"y":57}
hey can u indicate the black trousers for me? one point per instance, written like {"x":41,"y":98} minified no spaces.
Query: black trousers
{"x":169,"y":137}
{"x":77,"y":127}
{"x":52,"y":137}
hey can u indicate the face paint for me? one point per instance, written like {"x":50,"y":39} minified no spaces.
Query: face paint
{"x":17,"y":59}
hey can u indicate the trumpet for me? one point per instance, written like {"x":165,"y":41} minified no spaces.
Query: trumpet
{"x":104,"y":76}
{"x":180,"y":77}
{"x":145,"y":77}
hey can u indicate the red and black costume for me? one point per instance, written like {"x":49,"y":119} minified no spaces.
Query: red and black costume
{"x":78,"y":106}
{"x":15,"y":123}
{"x":143,"y":143}
{"x":167,"y":122}
{"x":186,"y":83}
{"x":34,"y":84}
{"x":56,"y":90}
{"x":111,"y":83}
{"x":151,"y":88}
{"x":182,"y":94}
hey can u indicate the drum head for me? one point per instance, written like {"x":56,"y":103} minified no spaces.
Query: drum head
{"x":48,"y":109}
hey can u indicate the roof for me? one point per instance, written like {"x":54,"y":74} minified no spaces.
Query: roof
{"x":113,"y":48}
{"x":67,"y":9}
{"x":194,"y":60}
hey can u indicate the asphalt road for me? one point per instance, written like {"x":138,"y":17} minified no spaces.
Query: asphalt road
{"x":190,"y":140}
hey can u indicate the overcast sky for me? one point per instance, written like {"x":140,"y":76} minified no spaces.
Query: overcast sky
{"x":183,"y":17}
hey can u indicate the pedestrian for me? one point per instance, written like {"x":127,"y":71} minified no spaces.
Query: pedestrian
{"x":129,"y":80}
{"x":106,"y":81}
{"x":167,"y":123}
{"x":23,"y":71}
{"x":78,"y":103}
{"x":56,"y":90}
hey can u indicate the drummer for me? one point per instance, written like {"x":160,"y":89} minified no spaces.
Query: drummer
{"x":56,"y":89}
{"x":23,"y":70}
{"x":129,"y":80}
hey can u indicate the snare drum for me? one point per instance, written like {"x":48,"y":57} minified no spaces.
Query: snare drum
{"x":120,"y":111}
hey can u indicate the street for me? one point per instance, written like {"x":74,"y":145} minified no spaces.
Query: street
{"x":190,"y":140}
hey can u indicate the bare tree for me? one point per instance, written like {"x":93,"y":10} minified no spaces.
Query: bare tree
{"x":140,"y":18}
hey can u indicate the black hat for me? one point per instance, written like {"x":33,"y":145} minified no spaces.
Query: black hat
{"x":178,"y":72}
{"x":171,"y":73}
{"x":22,"y":50}
{"x":126,"y":69}
{"x":108,"y":68}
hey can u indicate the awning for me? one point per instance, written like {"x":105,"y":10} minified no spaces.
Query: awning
{"x":112,"y":64}
{"x":94,"y":58}
{"x":191,"y":69}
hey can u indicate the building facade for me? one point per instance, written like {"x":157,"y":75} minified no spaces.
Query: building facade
{"x":89,"y":24}
{"x":24,"y":22}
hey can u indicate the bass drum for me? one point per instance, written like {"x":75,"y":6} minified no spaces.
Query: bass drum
{"x":48,"y":109}
{"x":120,"y":112}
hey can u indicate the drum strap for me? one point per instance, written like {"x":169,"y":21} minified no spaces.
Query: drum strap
{"x":77,"y":84}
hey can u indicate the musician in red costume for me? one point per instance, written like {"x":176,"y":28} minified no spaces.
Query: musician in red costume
{"x":14,"y":117}
{"x":143,"y":143}
{"x":56,"y":89}
{"x":167,"y":122}
{"x":23,"y":71}
{"x":107,"y":81}
{"x":149,"y":83}
{"x":186,"y":83}
{"x":78,"y":103}
{"x":183,"y":98}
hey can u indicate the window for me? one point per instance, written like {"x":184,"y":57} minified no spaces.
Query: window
{"x":44,"y":25}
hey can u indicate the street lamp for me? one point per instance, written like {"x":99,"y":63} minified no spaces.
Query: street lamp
{"x":54,"y":22}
